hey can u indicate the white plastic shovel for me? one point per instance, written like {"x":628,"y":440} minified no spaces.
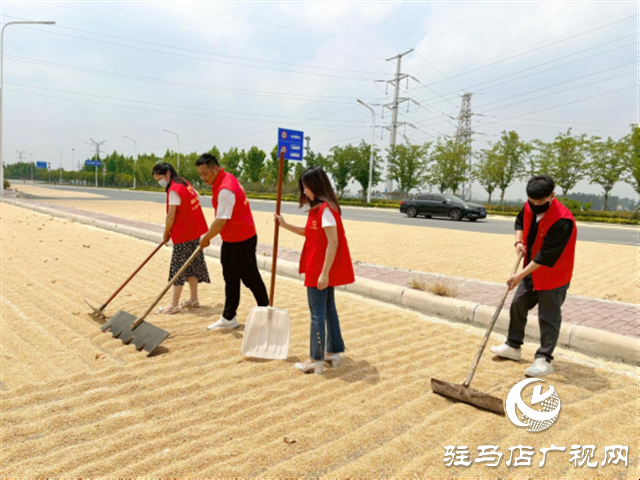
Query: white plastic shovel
{"x":266,"y":333}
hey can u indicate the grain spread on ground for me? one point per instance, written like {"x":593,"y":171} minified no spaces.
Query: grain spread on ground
{"x":78,"y":403}
{"x":602,"y":270}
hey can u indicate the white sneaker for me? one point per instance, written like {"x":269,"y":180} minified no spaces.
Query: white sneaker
{"x":539,"y":368}
{"x":505,"y":351}
{"x":224,"y":323}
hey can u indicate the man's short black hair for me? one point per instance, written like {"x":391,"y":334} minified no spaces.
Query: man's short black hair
{"x":540,"y":186}
{"x":208,"y":160}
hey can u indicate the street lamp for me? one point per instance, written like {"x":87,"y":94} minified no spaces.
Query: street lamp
{"x":31,"y":167}
{"x":56,"y":148}
{"x":135,"y":159}
{"x":173,"y":133}
{"x":373,"y":139}
{"x":2,"y":88}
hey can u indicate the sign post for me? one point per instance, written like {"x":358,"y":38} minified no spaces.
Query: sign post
{"x":289,"y":147}
{"x":94,"y":163}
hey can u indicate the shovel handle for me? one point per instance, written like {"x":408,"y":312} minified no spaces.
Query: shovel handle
{"x":494,"y":319}
{"x":274,"y":256}
{"x":155,"y":250}
{"x":165,"y":289}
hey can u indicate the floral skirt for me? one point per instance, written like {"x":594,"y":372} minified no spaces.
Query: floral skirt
{"x":197,"y":268}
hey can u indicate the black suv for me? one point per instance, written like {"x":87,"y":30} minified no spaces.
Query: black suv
{"x":442,"y":205}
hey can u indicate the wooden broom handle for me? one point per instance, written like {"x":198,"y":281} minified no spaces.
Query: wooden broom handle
{"x":155,"y":250}
{"x":165,"y":289}
{"x":274,"y":255}
{"x":494,"y":319}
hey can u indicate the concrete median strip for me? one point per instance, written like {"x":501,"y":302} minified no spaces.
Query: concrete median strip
{"x":578,"y":337}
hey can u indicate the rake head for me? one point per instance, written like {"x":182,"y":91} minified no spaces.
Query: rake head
{"x":144,"y":337}
{"x":468,"y":395}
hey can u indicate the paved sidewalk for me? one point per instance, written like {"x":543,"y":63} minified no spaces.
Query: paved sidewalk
{"x":615,"y":317}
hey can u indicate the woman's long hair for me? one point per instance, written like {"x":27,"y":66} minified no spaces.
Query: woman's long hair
{"x":316,"y":180}
{"x":163,"y":168}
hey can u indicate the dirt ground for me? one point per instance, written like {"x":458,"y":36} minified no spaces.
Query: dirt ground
{"x":78,"y":403}
{"x":605,"y":271}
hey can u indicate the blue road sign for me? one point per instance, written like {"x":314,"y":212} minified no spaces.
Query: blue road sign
{"x":291,"y":141}
{"x":41,"y":164}
{"x":92,"y":163}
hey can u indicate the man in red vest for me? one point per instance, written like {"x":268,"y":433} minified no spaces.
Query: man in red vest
{"x":235,"y":225}
{"x":546,"y":234}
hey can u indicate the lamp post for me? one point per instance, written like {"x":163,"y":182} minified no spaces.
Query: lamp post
{"x":2,"y":88}
{"x":173,"y":133}
{"x":135,"y":159}
{"x":373,"y":139}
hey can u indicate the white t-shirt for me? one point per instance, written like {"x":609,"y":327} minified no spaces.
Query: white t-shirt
{"x":226,"y":202}
{"x":328,"y":218}
{"x":174,"y":198}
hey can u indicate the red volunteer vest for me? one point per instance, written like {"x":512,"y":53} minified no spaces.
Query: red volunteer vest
{"x":190,"y":222}
{"x":315,"y":249}
{"x":240,"y":226}
{"x":548,"y":278}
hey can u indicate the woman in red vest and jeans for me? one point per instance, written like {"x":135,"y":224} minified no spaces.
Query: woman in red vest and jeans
{"x":184,"y":225}
{"x":326,"y":263}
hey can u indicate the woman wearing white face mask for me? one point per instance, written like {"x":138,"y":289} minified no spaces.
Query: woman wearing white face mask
{"x":184,"y":225}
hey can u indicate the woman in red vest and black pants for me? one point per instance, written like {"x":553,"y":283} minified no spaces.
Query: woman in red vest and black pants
{"x":546,"y":233}
{"x":184,"y":225}
{"x":326,"y":263}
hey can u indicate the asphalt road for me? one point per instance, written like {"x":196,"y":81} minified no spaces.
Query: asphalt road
{"x":624,"y":235}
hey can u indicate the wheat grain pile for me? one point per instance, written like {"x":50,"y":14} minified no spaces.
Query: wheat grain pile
{"x":49,"y":192}
{"x":78,"y":403}
{"x":605,"y":271}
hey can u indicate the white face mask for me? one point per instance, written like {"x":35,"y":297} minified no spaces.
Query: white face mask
{"x":163,"y":183}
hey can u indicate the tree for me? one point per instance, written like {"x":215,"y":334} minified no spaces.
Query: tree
{"x":629,"y":146}
{"x":215,"y":152}
{"x":232,"y":161}
{"x":511,"y":154}
{"x":341,"y":166}
{"x":606,"y":165}
{"x":564,"y":159}
{"x":408,"y":165}
{"x":254,"y":165}
{"x":487,"y":170}
{"x":273,"y":167}
{"x":360,"y":166}
{"x":314,"y":159}
{"x":449,"y":168}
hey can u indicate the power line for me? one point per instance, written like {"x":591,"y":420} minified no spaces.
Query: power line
{"x":288,"y":96}
{"x":212,"y":35}
{"x":210,"y":59}
{"x":531,"y":50}
{"x":288,"y":27}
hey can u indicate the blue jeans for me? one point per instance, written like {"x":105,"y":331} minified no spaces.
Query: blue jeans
{"x":322,"y":304}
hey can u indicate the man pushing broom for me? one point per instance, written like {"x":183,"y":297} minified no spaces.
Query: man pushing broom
{"x":546,"y":233}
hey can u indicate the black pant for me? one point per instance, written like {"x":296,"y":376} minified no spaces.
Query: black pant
{"x":549,"y":316}
{"x":239,"y":263}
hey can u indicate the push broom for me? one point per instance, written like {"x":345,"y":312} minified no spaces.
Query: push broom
{"x":464,"y":393}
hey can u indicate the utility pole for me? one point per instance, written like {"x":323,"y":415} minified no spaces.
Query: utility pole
{"x":463,"y":137}
{"x":31,"y":167}
{"x":20,"y":154}
{"x":97,"y":145}
{"x":307,"y":147}
{"x":393,"y":106}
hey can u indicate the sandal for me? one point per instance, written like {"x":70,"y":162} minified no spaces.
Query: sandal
{"x":168,"y":310}
{"x":190,"y":304}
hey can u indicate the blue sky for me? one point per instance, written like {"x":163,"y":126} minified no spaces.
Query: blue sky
{"x":230,"y":73}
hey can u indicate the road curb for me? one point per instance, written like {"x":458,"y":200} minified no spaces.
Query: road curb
{"x":577,"y":337}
